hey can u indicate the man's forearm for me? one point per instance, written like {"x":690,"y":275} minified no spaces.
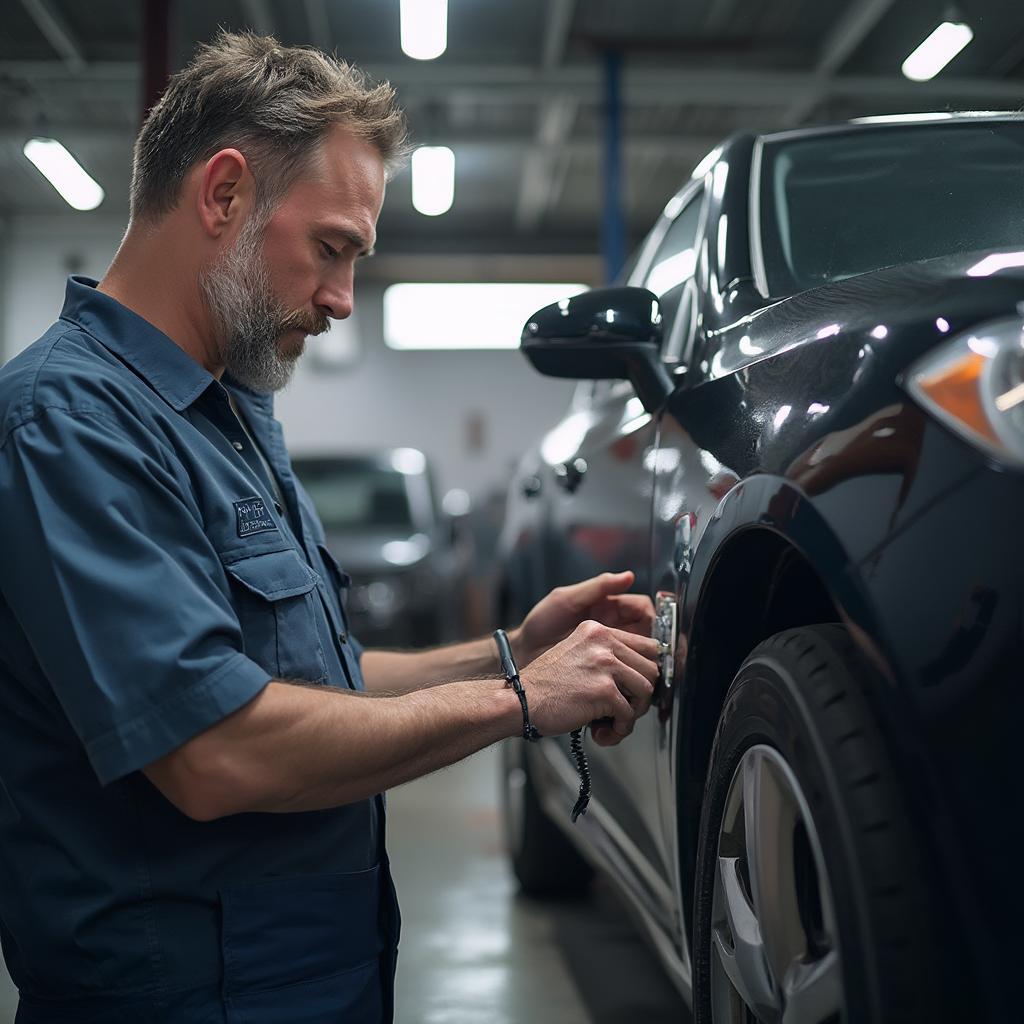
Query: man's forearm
{"x":296,"y":748}
{"x":398,"y":672}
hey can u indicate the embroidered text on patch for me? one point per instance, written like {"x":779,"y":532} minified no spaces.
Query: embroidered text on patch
{"x":252,"y":517}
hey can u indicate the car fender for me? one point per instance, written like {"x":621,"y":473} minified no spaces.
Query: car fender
{"x":766,"y":560}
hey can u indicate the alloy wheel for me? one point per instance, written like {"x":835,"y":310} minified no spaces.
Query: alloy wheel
{"x":775,"y":954}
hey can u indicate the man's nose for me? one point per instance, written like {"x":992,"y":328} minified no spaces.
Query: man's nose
{"x":336,"y":298}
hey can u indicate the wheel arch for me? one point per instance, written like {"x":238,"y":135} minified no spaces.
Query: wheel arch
{"x":754,"y":574}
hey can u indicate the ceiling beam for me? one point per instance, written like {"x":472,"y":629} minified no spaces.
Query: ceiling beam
{"x":858,"y":21}
{"x":1011,"y":57}
{"x":51,"y":23}
{"x":258,"y":15}
{"x":319,"y":26}
{"x":554,"y":122}
{"x":856,"y":24}
{"x":505,"y":84}
{"x":540,"y":169}
{"x":556,"y":32}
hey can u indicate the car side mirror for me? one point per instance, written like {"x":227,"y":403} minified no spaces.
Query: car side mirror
{"x":603,"y":334}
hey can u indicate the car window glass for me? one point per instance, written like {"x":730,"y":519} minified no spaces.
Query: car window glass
{"x":675,"y":346}
{"x":675,"y":262}
{"x":844,"y":204}
{"x":354,"y":496}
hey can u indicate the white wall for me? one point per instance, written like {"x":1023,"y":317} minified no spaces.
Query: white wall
{"x":40,"y":253}
{"x":386,"y":398}
{"x":426,"y":400}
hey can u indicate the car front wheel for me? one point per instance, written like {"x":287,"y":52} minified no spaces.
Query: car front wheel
{"x":809,"y":901}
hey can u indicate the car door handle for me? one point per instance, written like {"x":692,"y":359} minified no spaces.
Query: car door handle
{"x":570,"y":474}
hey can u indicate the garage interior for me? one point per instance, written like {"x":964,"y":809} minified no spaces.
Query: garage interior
{"x":572,"y":122}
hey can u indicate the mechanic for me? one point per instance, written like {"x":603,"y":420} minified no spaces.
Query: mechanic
{"x":192,"y":747}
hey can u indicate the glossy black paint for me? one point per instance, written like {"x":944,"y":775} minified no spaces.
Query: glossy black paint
{"x":789,"y":479}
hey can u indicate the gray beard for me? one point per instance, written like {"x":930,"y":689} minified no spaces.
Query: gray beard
{"x":247,"y":318}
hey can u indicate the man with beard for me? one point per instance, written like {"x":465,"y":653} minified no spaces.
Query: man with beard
{"x":192,"y":747}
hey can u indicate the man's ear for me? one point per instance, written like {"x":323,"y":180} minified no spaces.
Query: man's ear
{"x":226,"y":192}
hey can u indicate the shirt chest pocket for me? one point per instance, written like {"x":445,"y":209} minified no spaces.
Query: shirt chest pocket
{"x":274,"y":594}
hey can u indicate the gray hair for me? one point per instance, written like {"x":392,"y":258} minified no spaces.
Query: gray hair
{"x":273,"y":103}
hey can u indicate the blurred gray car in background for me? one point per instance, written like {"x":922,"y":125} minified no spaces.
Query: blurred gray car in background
{"x":384,"y":525}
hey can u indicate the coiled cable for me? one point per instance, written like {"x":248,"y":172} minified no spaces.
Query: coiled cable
{"x":576,"y":746}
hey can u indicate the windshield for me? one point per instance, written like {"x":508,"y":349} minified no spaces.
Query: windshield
{"x":356,"y":495}
{"x":837,"y":205}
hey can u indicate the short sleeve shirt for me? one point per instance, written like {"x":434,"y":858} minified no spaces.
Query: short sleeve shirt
{"x":151,"y":583}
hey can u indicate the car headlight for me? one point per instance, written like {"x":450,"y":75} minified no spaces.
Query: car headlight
{"x":975,"y":385}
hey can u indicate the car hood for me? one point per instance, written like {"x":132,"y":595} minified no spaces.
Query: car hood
{"x":900,"y":311}
{"x":962,"y":287}
{"x":986,"y":269}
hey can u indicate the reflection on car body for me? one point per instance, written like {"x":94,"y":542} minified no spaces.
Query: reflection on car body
{"x":811,"y":443}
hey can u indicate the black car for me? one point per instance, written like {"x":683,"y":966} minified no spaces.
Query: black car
{"x":801,"y":422}
{"x":384,"y":526}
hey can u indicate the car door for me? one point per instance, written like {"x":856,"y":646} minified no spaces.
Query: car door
{"x":600,"y":517}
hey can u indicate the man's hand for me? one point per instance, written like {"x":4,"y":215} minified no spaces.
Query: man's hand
{"x":598,"y":672}
{"x":601,"y":599}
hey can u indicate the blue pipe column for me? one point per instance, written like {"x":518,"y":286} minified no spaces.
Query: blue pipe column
{"x":613,"y":231}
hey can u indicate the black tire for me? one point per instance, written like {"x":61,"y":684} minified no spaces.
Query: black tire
{"x":544,"y":860}
{"x":799,"y":701}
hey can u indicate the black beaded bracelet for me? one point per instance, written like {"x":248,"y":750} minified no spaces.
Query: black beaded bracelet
{"x":508,"y":666}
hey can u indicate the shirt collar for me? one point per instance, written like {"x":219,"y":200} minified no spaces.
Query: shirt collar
{"x":250,"y":400}
{"x":167,"y":367}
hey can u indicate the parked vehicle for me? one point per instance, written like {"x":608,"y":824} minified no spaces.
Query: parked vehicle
{"x":383,"y":525}
{"x":801,"y":422}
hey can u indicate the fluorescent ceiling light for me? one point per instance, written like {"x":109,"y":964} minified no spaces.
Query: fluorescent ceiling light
{"x":64,"y":173}
{"x":464,"y":316}
{"x":433,"y":180}
{"x":424,"y":28}
{"x":937,"y":51}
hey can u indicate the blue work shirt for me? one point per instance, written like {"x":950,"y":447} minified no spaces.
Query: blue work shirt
{"x":150,"y":585}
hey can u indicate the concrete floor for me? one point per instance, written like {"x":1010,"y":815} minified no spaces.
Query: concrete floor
{"x":472,"y":950}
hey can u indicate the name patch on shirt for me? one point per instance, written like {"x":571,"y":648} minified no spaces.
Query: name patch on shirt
{"x":252,"y":517}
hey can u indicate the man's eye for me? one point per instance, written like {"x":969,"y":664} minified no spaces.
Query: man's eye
{"x":329,"y":251}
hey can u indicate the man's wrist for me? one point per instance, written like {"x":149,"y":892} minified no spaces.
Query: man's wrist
{"x":510,"y":668}
{"x":508,"y":711}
